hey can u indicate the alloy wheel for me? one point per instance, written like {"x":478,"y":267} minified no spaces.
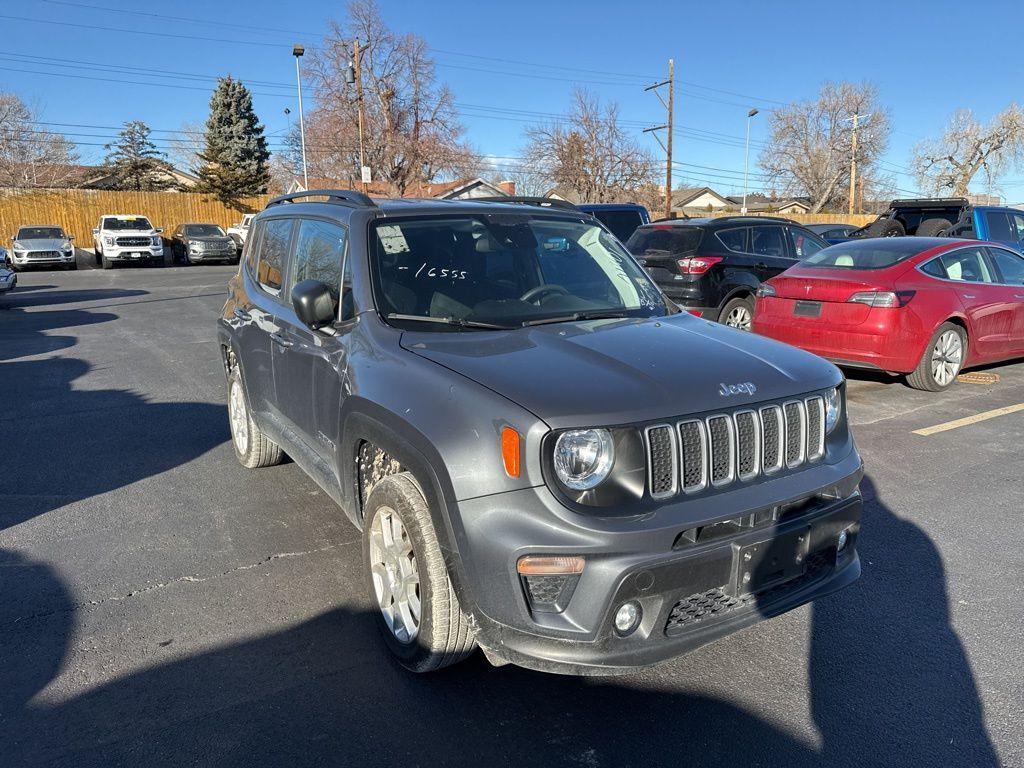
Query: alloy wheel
{"x":239,"y":418}
{"x":947,"y":357}
{"x":739,"y":318}
{"x":396,"y":580}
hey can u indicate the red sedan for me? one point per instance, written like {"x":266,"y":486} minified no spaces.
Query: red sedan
{"x":921,"y":306}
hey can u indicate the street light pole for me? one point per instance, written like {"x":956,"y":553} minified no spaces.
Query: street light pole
{"x":746,"y":160}
{"x":297,"y":52}
{"x":357,"y":61}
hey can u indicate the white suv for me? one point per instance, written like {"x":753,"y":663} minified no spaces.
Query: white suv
{"x":127,"y":239}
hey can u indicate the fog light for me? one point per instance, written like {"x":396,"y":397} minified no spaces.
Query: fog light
{"x":843,"y":538}
{"x":627,"y":618}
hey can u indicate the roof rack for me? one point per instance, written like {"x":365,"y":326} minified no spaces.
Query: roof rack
{"x":539,"y":202}
{"x":755,"y":216}
{"x":342,"y":196}
{"x":925,"y":202}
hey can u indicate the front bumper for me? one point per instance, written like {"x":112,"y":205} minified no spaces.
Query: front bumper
{"x":115,"y":253}
{"x":690,"y":592}
{"x":198,"y":256}
{"x":30,"y":258}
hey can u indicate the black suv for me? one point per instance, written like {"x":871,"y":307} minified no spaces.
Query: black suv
{"x":712,"y":267}
{"x":502,"y":401}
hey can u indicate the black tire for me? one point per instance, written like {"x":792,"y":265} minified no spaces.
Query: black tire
{"x":739,"y":309}
{"x":105,"y":262}
{"x":444,"y":635}
{"x":932,"y":227}
{"x":923,"y":377}
{"x":97,"y":255}
{"x":884,"y":228}
{"x":255,"y":450}
{"x":72,"y":266}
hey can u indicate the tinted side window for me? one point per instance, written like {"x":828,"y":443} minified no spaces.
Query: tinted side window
{"x":319,"y":250}
{"x":999,"y":226}
{"x":348,"y":309}
{"x":968,"y":265}
{"x":934,"y":268}
{"x":734,"y":239}
{"x":767,"y":241}
{"x":252,"y":249}
{"x":803,"y":244}
{"x":1010,"y":266}
{"x":1018,"y":221}
{"x":272,"y":252}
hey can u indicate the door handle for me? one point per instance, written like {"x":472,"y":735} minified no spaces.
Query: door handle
{"x":968,"y":295}
{"x":1018,"y":295}
{"x":241,"y":314}
{"x":281,"y":341}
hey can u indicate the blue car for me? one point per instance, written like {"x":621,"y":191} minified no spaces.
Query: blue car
{"x":621,"y":218}
{"x":993,"y":223}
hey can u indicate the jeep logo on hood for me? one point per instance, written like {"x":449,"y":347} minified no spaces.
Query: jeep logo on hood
{"x":743,"y":388}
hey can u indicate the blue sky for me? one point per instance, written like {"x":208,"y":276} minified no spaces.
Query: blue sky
{"x":927,"y":58}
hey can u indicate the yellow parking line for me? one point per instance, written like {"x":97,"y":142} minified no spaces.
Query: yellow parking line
{"x":969,"y":420}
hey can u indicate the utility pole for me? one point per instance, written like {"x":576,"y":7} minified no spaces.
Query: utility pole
{"x":359,"y":99}
{"x":297,"y":52}
{"x":667,"y":145}
{"x":853,"y":161}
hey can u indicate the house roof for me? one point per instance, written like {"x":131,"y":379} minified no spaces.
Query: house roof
{"x":443,"y":190}
{"x":683,"y":196}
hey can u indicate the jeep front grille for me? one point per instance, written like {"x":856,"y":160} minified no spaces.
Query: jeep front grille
{"x":734,"y":447}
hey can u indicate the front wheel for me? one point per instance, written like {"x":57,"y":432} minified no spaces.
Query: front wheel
{"x":105,"y":262}
{"x":418,"y":612}
{"x":738,"y":313}
{"x":942,"y":360}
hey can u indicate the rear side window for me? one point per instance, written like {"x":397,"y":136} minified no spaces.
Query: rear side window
{"x":1018,"y":222}
{"x":767,"y":241}
{"x":968,"y":265}
{"x":273,"y":249}
{"x":668,"y":240}
{"x":734,"y":239}
{"x":803,"y":243}
{"x":319,"y":250}
{"x":999,"y":226}
{"x":934,"y":268}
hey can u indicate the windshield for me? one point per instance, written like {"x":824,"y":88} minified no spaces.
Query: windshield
{"x":127,"y":223}
{"x":505,"y":270}
{"x":204,"y":230}
{"x":665,"y":240}
{"x":40,"y":233}
{"x":877,"y":253}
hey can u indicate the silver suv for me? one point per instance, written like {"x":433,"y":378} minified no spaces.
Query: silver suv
{"x":547,"y":459}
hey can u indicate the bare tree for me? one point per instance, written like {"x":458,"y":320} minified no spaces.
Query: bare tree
{"x":809,"y":149}
{"x":30,"y":156}
{"x":590,"y":153}
{"x":948,"y":165}
{"x":184,"y":147}
{"x":412,"y":133}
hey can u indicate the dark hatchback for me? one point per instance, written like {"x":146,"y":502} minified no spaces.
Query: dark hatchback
{"x":712,"y":267}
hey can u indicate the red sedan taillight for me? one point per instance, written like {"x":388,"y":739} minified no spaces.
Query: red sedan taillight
{"x":882,"y":299}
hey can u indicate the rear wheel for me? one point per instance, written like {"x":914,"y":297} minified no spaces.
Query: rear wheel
{"x":738,"y":313}
{"x":942,"y":360}
{"x":884,"y":228}
{"x":418,"y":611}
{"x":253,"y":448}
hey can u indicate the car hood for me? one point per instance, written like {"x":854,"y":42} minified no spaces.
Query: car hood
{"x":43,"y":244}
{"x":607,"y":372}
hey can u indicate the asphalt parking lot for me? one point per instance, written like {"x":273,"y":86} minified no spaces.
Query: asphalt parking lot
{"x":161,"y":605}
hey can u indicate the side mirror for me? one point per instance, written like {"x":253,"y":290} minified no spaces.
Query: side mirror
{"x":96,"y":230}
{"x":313,"y":304}
{"x":159,"y":231}
{"x":71,"y":237}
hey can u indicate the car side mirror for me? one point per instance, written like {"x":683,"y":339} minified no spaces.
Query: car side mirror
{"x":71,"y":237}
{"x":158,"y":231}
{"x":313,"y":304}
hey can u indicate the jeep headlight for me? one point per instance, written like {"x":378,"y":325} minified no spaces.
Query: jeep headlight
{"x":833,"y":404}
{"x":584,"y":457}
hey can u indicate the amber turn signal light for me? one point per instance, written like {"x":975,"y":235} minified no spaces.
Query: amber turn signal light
{"x":543,"y":565}
{"x":510,"y":452}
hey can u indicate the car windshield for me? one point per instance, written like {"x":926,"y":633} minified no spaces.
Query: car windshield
{"x":40,"y":233}
{"x":505,"y":270}
{"x":667,"y":239}
{"x":126,"y":223}
{"x":204,"y":230}
{"x":876,"y":253}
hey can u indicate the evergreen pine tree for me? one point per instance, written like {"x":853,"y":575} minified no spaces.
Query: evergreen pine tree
{"x":234,"y":161}
{"x":135,"y":162}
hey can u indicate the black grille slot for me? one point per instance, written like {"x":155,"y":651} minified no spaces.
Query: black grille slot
{"x":771,"y":429}
{"x":545,"y":590}
{"x":746,"y":444}
{"x":794,"y":434}
{"x":721,"y":449}
{"x":815,"y":428}
{"x":691,"y":438}
{"x":662,"y":461}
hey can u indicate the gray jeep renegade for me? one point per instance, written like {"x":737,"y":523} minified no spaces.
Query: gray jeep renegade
{"x":546,"y":458}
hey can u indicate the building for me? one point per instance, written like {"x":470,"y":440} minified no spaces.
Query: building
{"x":759,"y":203}
{"x":60,"y":176}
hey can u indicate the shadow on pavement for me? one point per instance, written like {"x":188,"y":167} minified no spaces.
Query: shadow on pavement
{"x":889,"y":685}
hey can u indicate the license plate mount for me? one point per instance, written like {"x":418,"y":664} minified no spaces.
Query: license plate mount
{"x":807,"y":309}
{"x":764,"y":564}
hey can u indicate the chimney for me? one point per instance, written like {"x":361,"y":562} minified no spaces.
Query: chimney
{"x":508,"y":187}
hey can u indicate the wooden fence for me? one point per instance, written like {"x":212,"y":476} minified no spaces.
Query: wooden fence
{"x":79,"y":210}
